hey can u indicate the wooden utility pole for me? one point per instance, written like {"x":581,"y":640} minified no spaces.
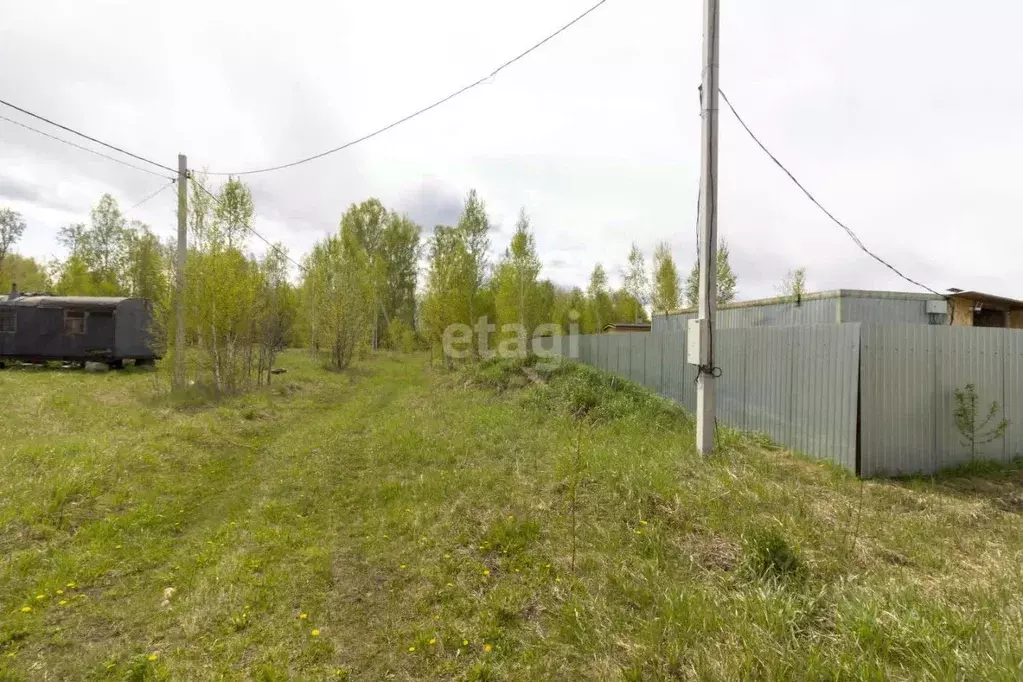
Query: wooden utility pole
{"x":706,"y":398}
{"x":179,"y":274}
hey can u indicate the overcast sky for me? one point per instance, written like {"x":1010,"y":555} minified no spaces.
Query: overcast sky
{"x":903,"y":118}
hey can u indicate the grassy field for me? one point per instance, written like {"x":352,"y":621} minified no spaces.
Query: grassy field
{"x":398,"y":522}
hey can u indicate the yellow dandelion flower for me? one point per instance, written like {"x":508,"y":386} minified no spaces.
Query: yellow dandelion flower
{"x":511,"y":517}
{"x":60,"y":591}
{"x":465,"y":642}
{"x":411,"y":648}
{"x":557,"y":580}
{"x":26,"y":609}
{"x":643,"y":523}
{"x":40,"y":596}
{"x":518,"y":571}
{"x":447,"y":556}
{"x":10,"y":655}
{"x":433,"y":640}
{"x":639,"y":532}
{"x":486,"y":571}
{"x":153,"y":657}
{"x":117,"y":547}
{"x":62,"y":602}
{"x":303,"y":616}
{"x":451,"y":584}
{"x":436,"y":617}
{"x":546,"y":565}
{"x":71,"y":585}
{"x":488,"y":648}
{"x":315,"y":633}
{"x":403,"y":566}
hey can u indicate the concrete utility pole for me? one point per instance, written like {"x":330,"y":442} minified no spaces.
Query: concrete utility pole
{"x":706,"y":397}
{"x":179,"y":275}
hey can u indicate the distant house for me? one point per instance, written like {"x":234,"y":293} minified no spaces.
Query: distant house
{"x":625,"y":328}
{"x":962,"y":308}
{"x":976,"y":309}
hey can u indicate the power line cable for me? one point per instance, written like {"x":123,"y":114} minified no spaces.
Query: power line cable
{"x":87,"y":137}
{"x":848,"y":230}
{"x":253,"y":231}
{"x":436,"y":104}
{"x":152,"y":196}
{"x":84,"y":149}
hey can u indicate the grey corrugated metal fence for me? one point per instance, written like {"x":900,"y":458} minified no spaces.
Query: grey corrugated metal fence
{"x":910,"y":374}
{"x":797,"y":384}
{"x":874,"y":399}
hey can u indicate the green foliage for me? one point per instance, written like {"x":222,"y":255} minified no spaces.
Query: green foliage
{"x":768,"y":555}
{"x":12,"y":227}
{"x":627,"y":308}
{"x":401,"y":337}
{"x":600,"y":308}
{"x":966,"y":415}
{"x":667,"y":288}
{"x":113,"y":257}
{"x":637,"y":285}
{"x":27,"y":273}
{"x":726,"y":280}
{"x":340,"y":285}
{"x":517,"y":296}
{"x":456,"y":279}
{"x":794,"y":284}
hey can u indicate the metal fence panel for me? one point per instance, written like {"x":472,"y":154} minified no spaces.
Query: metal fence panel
{"x":652,"y":368}
{"x":967,"y":355}
{"x":769,"y":380}
{"x":825,"y":378}
{"x":730,"y":356}
{"x":1013,"y":404}
{"x":897,"y":412}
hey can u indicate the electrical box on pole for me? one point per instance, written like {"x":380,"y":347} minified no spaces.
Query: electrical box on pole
{"x":697,"y":342}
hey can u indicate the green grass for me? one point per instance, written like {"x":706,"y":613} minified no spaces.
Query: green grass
{"x":421,"y":523}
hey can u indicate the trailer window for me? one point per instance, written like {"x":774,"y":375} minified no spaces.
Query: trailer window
{"x":8,"y":320}
{"x":74,"y":322}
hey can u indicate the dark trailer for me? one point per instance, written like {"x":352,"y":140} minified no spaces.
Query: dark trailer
{"x":36,"y":328}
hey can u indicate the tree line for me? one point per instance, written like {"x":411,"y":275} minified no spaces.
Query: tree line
{"x":377,"y":282}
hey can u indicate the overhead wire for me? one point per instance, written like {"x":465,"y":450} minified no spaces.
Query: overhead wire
{"x":84,"y":149}
{"x":425,"y":109}
{"x":87,"y":137}
{"x":253,"y":230}
{"x":848,"y":230}
{"x":153,"y":195}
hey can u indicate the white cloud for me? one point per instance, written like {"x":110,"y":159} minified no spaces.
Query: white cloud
{"x":901,"y":119}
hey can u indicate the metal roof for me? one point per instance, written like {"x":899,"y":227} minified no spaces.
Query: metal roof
{"x":815,"y":296}
{"x":102,"y":302}
{"x":630,"y":326}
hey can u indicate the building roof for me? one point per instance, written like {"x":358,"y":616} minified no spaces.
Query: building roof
{"x":92,"y":302}
{"x":628,"y":326}
{"x":995,"y":301}
{"x":835,"y":293}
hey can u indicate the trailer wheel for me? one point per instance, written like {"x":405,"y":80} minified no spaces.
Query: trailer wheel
{"x":145,"y":362}
{"x":116,"y":364}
